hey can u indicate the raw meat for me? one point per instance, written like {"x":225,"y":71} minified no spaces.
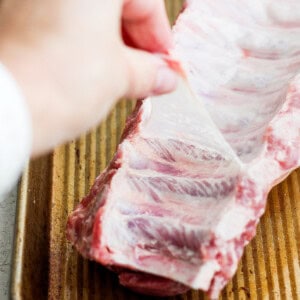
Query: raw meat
{"x":188,"y":184}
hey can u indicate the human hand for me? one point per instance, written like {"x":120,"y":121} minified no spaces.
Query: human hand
{"x":72,"y":64}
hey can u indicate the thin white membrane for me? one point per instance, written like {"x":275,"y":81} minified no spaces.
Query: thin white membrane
{"x":240,"y":57}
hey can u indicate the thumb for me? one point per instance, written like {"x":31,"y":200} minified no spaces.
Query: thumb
{"x":147,"y":74}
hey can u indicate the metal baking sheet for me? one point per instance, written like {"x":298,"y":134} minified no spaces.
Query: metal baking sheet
{"x":45,"y":266}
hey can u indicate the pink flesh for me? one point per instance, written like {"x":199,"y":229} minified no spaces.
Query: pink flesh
{"x":188,"y":184}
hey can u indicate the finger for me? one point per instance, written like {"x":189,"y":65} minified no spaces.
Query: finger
{"x":147,"y":74}
{"x":145,"y":25}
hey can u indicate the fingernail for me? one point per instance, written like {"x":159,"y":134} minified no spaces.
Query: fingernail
{"x":166,"y":80}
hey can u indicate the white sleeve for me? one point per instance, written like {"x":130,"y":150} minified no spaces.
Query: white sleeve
{"x":15,"y":131}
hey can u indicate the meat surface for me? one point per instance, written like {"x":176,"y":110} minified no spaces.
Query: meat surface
{"x":189,"y":181}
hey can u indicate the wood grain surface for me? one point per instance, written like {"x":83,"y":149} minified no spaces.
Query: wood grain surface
{"x":47,"y":267}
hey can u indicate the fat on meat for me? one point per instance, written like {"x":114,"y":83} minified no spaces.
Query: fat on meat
{"x":189,"y":181}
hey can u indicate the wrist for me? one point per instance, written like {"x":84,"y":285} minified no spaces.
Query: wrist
{"x":30,"y":73}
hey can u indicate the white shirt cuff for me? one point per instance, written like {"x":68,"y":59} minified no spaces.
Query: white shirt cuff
{"x":15,"y":131}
